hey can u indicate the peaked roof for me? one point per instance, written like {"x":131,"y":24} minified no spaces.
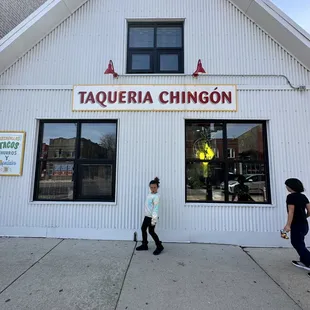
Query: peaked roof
{"x":13,"y":12}
{"x":53,"y":12}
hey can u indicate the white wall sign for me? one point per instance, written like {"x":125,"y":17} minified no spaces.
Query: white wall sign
{"x":12,"y":144}
{"x":155,"y":98}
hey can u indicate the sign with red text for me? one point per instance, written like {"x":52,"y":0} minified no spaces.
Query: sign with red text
{"x":12,"y":144}
{"x":155,"y":98}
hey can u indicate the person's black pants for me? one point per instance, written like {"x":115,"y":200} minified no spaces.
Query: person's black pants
{"x":298,"y":234}
{"x":147,"y":225}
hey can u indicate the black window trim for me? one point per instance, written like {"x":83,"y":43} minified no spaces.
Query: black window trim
{"x":226,"y":161}
{"x":155,"y":51}
{"x":77,"y":162}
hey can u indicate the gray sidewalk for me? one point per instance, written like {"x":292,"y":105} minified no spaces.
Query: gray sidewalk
{"x":79,"y":274}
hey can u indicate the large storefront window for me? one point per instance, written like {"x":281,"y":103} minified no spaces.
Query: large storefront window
{"x":76,"y":161}
{"x":219,"y":154}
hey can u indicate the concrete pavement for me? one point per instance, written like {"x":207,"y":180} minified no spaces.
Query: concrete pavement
{"x":17,"y":255}
{"x":197,"y":277}
{"x":85,"y":274}
{"x":77,"y":274}
{"x":276,"y":263}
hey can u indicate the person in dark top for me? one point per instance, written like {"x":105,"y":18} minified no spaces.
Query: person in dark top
{"x":298,"y":210}
{"x":241,"y":192}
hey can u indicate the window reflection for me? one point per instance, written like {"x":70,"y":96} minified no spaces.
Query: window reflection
{"x":96,"y":180}
{"x":155,"y":48}
{"x":203,"y":182}
{"x":169,"y":37}
{"x":219,"y":155}
{"x":204,"y":141}
{"x":169,"y":62}
{"x":141,"y":62}
{"x":76,"y":161}
{"x":254,"y":178}
{"x":141,"y":37}
{"x":98,"y":140}
{"x":248,"y":141}
{"x":56,"y":180}
{"x":58,"y":140}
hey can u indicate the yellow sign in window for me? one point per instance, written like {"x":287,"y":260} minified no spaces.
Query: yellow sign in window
{"x":207,"y":154}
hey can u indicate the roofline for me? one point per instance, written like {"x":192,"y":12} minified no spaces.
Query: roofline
{"x":20,"y":26}
{"x":53,"y":12}
{"x":280,"y":27}
{"x":286,"y":18}
{"x":34,"y":28}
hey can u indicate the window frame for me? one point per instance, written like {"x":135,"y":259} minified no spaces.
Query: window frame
{"x":77,"y":161}
{"x":155,"y":51}
{"x":226,"y":161}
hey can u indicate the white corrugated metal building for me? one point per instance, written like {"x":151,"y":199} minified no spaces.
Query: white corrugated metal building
{"x":87,"y":162}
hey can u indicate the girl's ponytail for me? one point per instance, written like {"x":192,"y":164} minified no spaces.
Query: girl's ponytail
{"x":155,"y":181}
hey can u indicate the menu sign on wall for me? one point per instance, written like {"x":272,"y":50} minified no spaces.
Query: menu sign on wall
{"x":172,"y":98}
{"x":12,"y":144}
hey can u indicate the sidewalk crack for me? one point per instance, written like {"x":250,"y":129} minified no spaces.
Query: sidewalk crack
{"x":31,"y":266}
{"x":286,"y":293}
{"x":125,"y":275}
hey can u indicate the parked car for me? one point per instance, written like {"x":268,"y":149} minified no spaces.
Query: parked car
{"x":255,"y":182}
{"x":231,"y":177}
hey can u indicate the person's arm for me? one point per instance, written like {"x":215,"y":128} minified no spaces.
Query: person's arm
{"x":308,"y":210}
{"x":155,"y":210}
{"x":290,"y":216}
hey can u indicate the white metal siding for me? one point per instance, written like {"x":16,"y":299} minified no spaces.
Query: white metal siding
{"x":139,"y":161}
{"x":78,"y":51}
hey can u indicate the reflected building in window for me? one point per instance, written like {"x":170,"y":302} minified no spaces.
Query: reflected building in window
{"x":61,"y":148}
{"x":65,"y":148}
{"x":250,"y":144}
{"x":251,"y":148}
{"x":232,"y":148}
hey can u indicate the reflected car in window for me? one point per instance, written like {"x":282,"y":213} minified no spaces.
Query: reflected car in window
{"x":255,"y":182}
{"x":231,"y":177}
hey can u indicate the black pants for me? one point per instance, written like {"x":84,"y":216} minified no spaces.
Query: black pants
{"x":147,"y":225}
{"x":298,"y":234}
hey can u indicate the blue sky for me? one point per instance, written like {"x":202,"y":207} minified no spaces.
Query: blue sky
{"x":298,"y":10}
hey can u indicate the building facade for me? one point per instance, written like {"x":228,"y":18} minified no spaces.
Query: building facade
{"x":94,"y":141}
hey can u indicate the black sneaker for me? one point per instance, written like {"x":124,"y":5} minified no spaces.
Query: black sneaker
{"x":142,"y":247}
{"x":158,"y":250}
{"x":300,"y":265}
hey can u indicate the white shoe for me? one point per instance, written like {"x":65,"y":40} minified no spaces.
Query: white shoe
{"x":300,"y":265}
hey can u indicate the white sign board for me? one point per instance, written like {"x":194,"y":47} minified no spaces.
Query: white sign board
{"x":12,"y":146}
{"x":148,"y":98}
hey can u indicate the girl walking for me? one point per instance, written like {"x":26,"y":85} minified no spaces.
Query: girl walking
{"x":150,"y":218}
{"x":298,"y":209}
